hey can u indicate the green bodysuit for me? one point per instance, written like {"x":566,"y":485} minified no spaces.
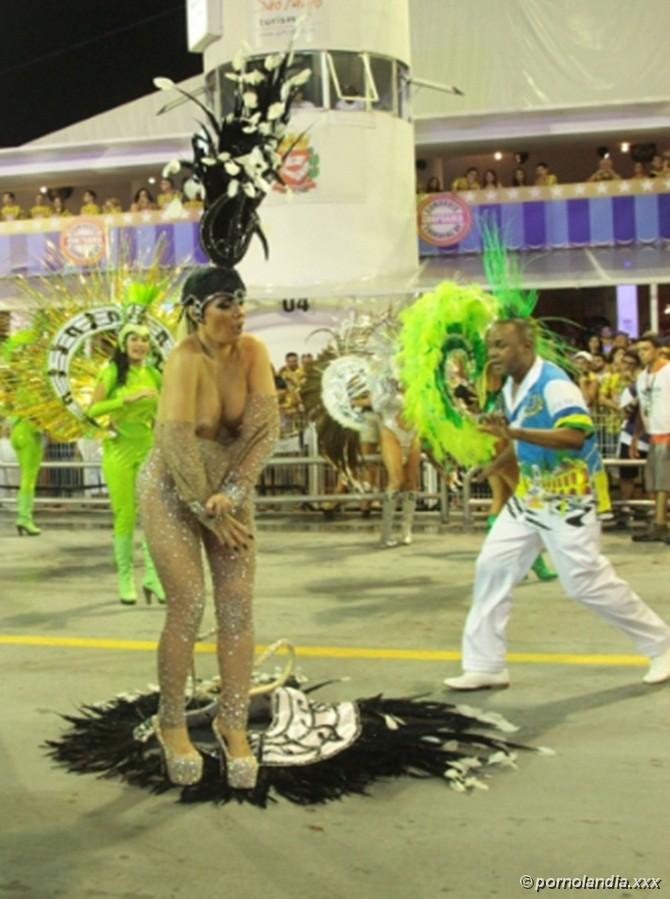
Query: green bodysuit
{"x":122,"y":456}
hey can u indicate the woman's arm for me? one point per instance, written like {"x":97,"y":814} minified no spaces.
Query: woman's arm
{"x":259,"y":430}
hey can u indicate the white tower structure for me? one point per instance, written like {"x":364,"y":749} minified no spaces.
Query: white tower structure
{"x":348,"y":222}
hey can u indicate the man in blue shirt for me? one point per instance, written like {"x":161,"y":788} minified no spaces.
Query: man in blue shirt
{"x":561,"y":489}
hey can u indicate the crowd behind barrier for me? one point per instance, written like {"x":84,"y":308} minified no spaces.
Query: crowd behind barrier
{"x":47,"y":204}
{"x":472,"y":179}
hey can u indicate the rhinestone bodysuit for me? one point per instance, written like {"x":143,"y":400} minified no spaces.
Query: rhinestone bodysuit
{"x":181,"y":473}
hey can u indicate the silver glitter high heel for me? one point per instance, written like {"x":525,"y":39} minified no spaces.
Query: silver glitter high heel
{"x":242,"y":773}
{"x":181,"y":770}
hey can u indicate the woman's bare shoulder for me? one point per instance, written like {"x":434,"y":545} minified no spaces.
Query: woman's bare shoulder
{"x":186,"y":354}
{"x":253,"y":347}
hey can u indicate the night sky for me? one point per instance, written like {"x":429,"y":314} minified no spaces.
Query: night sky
{"x":65,"y":60}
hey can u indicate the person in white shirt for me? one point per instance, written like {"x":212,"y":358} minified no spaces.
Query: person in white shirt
{"x":653,"y":390}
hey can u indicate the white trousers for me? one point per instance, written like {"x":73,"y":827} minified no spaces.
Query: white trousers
{"x":510,"y":549}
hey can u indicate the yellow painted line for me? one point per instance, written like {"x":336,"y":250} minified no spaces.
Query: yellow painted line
{"x":337,"y":652}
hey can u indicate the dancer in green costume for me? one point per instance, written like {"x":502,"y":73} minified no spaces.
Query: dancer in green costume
{"x":25,"y":436}
{"x":127,"y":391}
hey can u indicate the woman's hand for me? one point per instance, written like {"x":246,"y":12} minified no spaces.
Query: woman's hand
{"x":144,"y":393}
{"x":219,"y":505}
{"x":231,"y":533}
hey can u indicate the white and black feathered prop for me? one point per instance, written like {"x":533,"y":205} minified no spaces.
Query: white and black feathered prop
{"x":310,"y":752}
{"x":348,"y":379}
{"x":236,"y":159}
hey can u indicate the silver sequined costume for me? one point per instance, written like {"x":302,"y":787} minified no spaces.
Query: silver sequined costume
{"x":182,"y":472}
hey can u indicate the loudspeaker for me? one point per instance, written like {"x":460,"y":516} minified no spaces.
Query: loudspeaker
{"x":421,"y":165}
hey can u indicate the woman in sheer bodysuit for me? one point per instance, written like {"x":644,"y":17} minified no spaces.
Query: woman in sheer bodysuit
{"x":217,"y":423}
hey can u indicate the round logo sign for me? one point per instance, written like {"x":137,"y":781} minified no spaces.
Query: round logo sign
{"x":443,"y":219}
{"x":82,"y":241}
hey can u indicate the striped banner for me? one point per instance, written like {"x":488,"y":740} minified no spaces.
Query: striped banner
{"x":43,"y":246}
{"x":612,"y":217}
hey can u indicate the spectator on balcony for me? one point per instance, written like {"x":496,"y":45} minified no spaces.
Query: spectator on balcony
{"x":639,"y":172}
{"x":350,"y":91}
{"x":10,"y":210}
{"x":112,"y":206}
{"x":666,"y":163}
{"x":90,"y":204}
{"x":543,"y":176}
{"x":167,"y":193}
{"x":41,"y":208}
{"x":433,"y":186}
{"x":142,"y":201}
{"x":491,"y":180}
{"x":605,"y":171}
{"x":607,"y":339}
{"x":469,"y":182}
{"x":586,"y":380}
{"x":59,"y":208}
{"x":519,"y":178}
{"x":656,"y":167}
{"x":301,"y":102}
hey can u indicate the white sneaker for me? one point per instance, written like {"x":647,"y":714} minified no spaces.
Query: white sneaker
{"x":478,"y":680}
{"x":659,"y":669}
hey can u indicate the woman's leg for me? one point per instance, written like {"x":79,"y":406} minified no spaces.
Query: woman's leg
{"x":392,"y":459}
{"x":120,"y":477}
{"x":370,"y":475}
{"x":233,"y":575}
{"x":27,"y":444}
{"x":411,"y":478}
{"x":173,"y":535}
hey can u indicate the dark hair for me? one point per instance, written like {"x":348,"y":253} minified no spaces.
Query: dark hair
{"x":91,"y":192}
{"x":495,"y":176}
{"x":291,"y":353}
{"x":524,"y":327}
{"x":9,"y":193}
{"x":433,"y":179}
{"x":473,"y":168}
{"x":523,"y":180}
{"x":203,"y":282}
{"x":146,"y":191}
{"x":169,"y":180}
{"x":598,"y":338}
{"x":543,"y":164}
{"x":122,"y":362}
{"x":652,"y":338}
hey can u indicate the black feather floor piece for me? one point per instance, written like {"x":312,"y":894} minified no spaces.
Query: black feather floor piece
{"x":408,"y":737}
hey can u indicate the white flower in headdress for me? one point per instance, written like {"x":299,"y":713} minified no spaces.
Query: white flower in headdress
{"x":275,"y":110}
{"x":263,"y":185}
{"x":301,"y":78}
{"x":207,"y":160}
{"x":232,"y":168}
{"x":171,"y":168}
{"x":249,"y":129}
{"x":272,"y":61}
{"x":265,"y":128}
{"x":232,"y":76}
{"x":164,"y":84}
{"x":223,"y":156}
{"x":250,"y":99}
{"x":193,"y":189}
{"x":255,"y":76}
{"x":233,"y":188}
{"x":249,"y":190}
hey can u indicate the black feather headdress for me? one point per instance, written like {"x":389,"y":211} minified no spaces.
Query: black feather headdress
{"x":236,"y":159}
